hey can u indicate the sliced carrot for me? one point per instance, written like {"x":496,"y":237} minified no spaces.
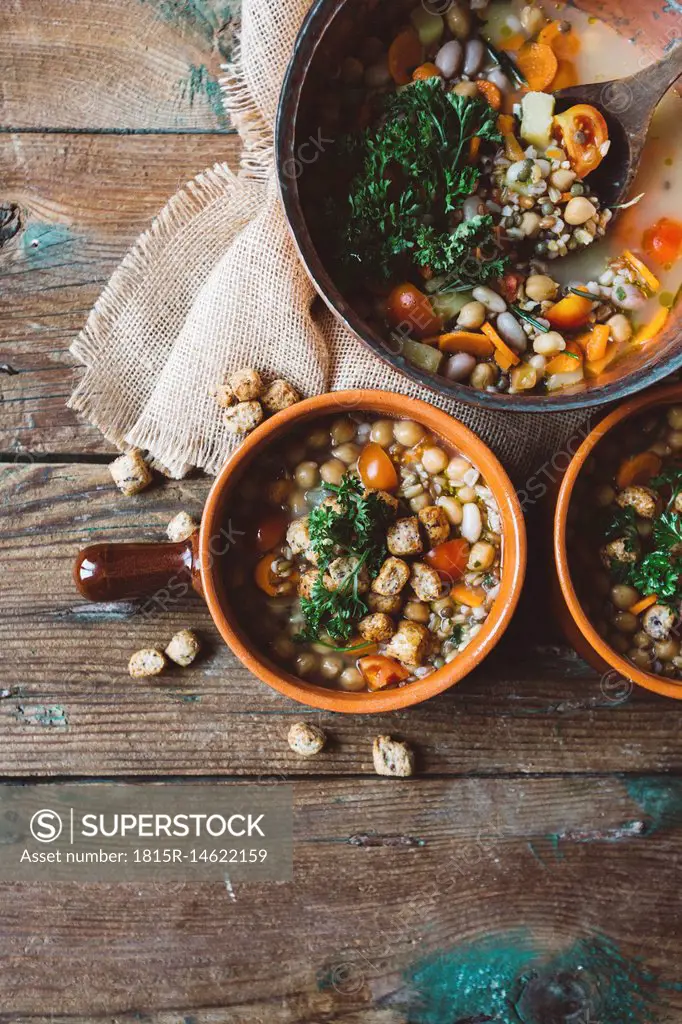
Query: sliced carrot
{"x":513,"y":148}
{"x":491,"y":92}
{"x":596,"y":368}
{"x":649,"y":331}
{"x":649,"y":279}
{"x":641,"y":606}
{"x":597,"y":343}
{"x":265,"y":577}
{"x":570,"y":313}
{"x":638,"y":469}
{"x":404,"y":55}
{"x":472,"y":597}
{"x":513,"y":42}
{"x":567,"y":361}
{"x":505,"y":357}
{"x":465,"y":341}
{"x":538,"y":64}
{"x":566,"y":45}
{"x":474,"y":147}
{"x":505,"y":124}
{"x":425,"y":71}
{"x":566,"y":77}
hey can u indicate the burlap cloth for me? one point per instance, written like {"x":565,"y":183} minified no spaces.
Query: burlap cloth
{"x":215,"y":284}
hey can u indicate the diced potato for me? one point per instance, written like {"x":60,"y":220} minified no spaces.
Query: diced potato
{"x":537,"y":110}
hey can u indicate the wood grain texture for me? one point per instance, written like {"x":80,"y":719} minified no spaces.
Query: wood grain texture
{"x":82,"y":201}
{"x":70,"y":706}
{"x":124,"y":64}
{"x":542,"y":863}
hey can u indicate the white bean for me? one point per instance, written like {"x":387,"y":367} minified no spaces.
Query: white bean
{"x":498,"y":78}
{"x":473,"y":57}
{"x":512,"y":331}
{"x":472,"y":207}
{"x":628,"y":296}
{"x":472,"y":524}
{"x":448,"y":60}
{"x":490,"y":299}
{"x":549,"y":344}
{"x":621,"y":328}
{"x":459,"y":366}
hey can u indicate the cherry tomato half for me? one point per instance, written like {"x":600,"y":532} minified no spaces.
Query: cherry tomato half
{"x":663,"y":241}
{"x":450,"y":559}
{"x":376,"y":469}
{"x":379,"y":671}
{"x":411,"y":310}
{"x":271,"y":531}
{"x":583,"y":131}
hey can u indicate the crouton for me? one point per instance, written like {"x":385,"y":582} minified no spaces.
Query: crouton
{"x":298,"y":539}
{"x":658,"y":621}
{"x":225,"y":396}
{"x":386,"y":498}
{"x":426,"y":582}
{"x":279,"y":395}
{"x":402,"y":538}
{"x":243,"y":418}
{"x":435,"y":523}
{"x":411,"y":643}
{"x":181,"y":527}
{"x":307,"y":582}
{"x":183,"y":647}
{"x":392,"y":577}
{"x":392,"y":758}
{"x":617,"y":551}
{"x":389,"y":604}
{"x":306,"y":739}
{"x":130,"y":473}
{"x":377,"y":628}
{"x":147,"y":662}
{"x":339,"y":571}
{"x":643,"y":500}
{"x":246,"y":385}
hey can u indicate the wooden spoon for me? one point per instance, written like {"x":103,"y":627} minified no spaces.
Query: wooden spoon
{"x":628,"y":105}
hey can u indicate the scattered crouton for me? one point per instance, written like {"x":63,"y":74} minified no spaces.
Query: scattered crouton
{"x":340,"y":569}
{"x":131,"y":473}
{"x":617,"y":551}
{"x":376,"y":628}
{"x":305,"y":739}
{"x":246,"y":384}
{"x":392,"y":758}
{"x":307,"y":582}
{"x":411,"y":643}
{"x":426,"y":582}
{"x":279,"y":395}
{"x":243,"y":418}
{"x":183,"y":648}
{"x":435,"y":523}
{"x":402,"y":538}
{"x":643,"y":500}
{"x":389,"y":604}
{"x":181,"y":527}
{"x":392,"y":577}
{"x":148,"y":662}
{"x":225,"y":396}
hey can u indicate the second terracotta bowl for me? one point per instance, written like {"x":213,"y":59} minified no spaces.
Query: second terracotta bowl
{"x":109,"y":572}
{"x":579,"y":630}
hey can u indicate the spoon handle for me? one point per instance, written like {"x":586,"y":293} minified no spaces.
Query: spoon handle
{"x":654,"y":81}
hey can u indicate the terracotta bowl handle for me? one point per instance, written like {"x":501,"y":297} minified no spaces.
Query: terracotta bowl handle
{"x":117,"y":572}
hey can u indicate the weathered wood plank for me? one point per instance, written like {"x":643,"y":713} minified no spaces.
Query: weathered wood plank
{"x":114,"y":63}
{"x":507,"y":891}
{"x":70,"y":706}
{"x":82,"y":201}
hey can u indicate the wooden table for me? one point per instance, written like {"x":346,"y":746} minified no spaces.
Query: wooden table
{"x":534,"y":858}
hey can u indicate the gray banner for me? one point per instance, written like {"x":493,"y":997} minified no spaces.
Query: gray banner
{"x":188,"y":831}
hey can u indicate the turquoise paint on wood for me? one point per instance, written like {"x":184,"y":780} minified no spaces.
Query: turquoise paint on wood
{"x":47,"y":245}
{"x":201,"y":85}
{"x":660,"y":800}
{"x":505,"y":978}
{"x":208,"y":19}
{"x":50,"y":716}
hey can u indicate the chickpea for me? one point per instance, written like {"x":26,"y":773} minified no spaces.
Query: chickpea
{"x":549,"y":344}
{"x":471,"y":316}
{"x":318,"y":438}
{"x":619,"y":643}
{"x":330,"y":667}
{"x":640,"y":658}
{"x":297,"y":504}
{"x":347,"y":453}
{"x":666,"y":650}
{"x":417,"y":611}
{"x":642,"y":640}
{"x":675,"y":440}
{"x":434,"y":460}
{"x":306,"y":664}
{"x":468,"y":89}
{"x":382,"y":432}
{"x":351,"y":679}
{"x":623,"y":597}
{"x":342,"y":430}
{"x":307,"y":475}
{"x":332,"y":471}
{"x":465,"y":494}
{"x":452,"y":509}
{"x":674,"y":417}
{"x":483,"y":376}
{"x":279,"y":491}
{"x":444,"y":607}
{"x":458,"y":20}
{"x":284,"y":647}
{"x":420,"y":501}
{"x":605,"y":495}
{"x":481,"y":556}
{"x":626,"y":622}
{"x":408,"y":433}
{"x":540,"y":287}
{"x":621,"y":328}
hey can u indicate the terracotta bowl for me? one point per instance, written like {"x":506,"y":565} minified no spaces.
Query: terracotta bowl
{"x":578,"y":628}
{"x":325,"y":37}
{"x":112,"y":572}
